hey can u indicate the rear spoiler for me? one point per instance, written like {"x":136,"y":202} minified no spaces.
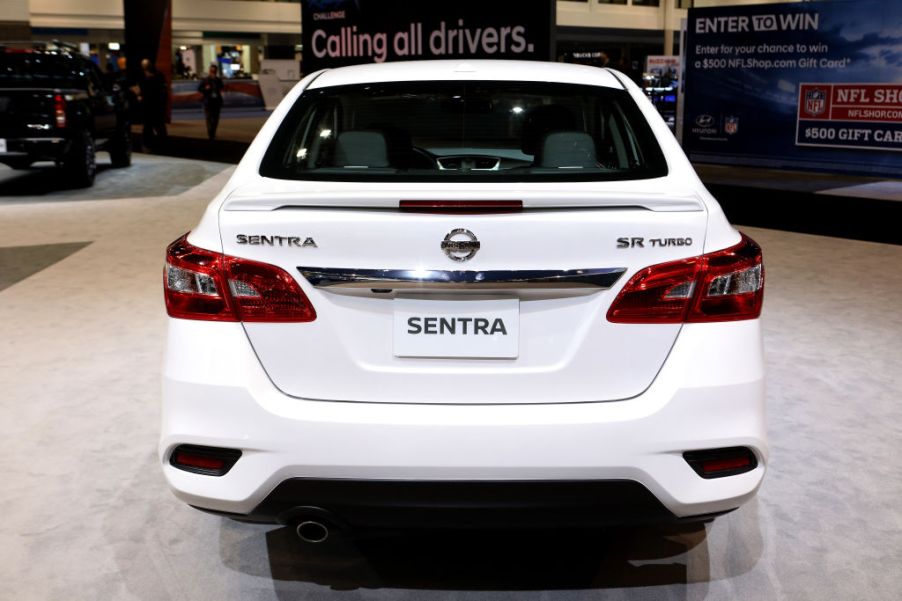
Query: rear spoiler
{"x":392,"y":199}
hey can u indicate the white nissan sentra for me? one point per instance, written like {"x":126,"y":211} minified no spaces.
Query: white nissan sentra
{"x":480,"y":294}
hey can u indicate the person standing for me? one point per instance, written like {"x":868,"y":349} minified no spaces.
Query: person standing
{"x":153,"y":99}
{"x":211,"y":87}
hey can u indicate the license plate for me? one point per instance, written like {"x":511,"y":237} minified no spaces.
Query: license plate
{"x":477,"y":329}
{"x":2,"y":144}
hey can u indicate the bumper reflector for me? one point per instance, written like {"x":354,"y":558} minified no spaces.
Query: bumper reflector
{"x":210,"y":461}
{"x":717,"y":463}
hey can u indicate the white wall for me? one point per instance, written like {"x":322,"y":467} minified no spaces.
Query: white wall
{"x":14,"y":10}
{"x":230,"y":15}
{"x":592,"y":14}
{"x":187,"y":15}
{"x":617,"y":16}
{"x":709,"y":3}
{"x":99,"y":14}
{"x":284,"y":17}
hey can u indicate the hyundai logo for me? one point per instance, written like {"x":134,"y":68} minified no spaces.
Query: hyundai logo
{"x":460,"y":244}
{"x":704,"y":120}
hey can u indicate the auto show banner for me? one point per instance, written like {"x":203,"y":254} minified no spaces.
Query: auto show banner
{"x":336,"y":33}
{"x":814,"y":85}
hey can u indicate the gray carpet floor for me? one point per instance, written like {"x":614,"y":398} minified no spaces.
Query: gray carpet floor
{"x":86,"y":514}
{"x":20,"y":262}
{"x":149,"y":176}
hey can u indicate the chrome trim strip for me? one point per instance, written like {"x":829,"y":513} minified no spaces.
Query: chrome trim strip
{"x":408,"y":279}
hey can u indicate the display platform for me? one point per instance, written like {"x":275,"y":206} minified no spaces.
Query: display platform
{"x":148,"y":176}
{"x":86,"y":509}
{"x":847,"y":206}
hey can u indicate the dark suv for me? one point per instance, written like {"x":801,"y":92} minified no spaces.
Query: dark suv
{"x":56,"y":105}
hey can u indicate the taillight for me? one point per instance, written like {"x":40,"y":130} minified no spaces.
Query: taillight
{"x":59,"y":110}
{"x":725,"y":285}
{"x":211,"y":286}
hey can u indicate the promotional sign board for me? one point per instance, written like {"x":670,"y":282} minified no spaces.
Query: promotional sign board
{"x":663,"y":65}
{"x":866,"y":116}
{"x":336,"y":33}
{"x":815,"y":85}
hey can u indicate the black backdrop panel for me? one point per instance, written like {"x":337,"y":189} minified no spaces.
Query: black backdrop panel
{"x":148,"y":33}
{"x":349,"y":32}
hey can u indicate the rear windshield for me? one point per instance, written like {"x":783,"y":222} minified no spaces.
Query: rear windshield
{"x":464,"y":131}
{"x":40,"y":70}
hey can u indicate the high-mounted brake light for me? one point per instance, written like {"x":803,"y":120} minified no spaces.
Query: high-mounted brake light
{"x":59,"y":110}
{"x":461,"y":206}
{"x":726,"y":285}
{"x":211,"y":286}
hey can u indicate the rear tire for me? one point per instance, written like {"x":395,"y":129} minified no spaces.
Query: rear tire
{"x":120,"y":147}
{"x":80,"y":162}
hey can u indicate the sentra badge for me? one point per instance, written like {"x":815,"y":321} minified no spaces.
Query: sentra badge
{"x":262,"y":240}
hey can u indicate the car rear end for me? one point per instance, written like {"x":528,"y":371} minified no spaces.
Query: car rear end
{"x":473,"y":297}
{"x":36,"y":91}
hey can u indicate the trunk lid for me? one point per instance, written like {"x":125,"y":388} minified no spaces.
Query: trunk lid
{"x":556,"y":266}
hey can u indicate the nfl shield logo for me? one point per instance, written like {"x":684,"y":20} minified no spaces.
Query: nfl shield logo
{"x":815,"y":102}
{"x":731,"y":125}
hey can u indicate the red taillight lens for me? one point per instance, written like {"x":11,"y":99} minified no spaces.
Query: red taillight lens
{"x":205,"y":285}
{"x":193,"y":284}
{"x":59,"y":110}
{"x":725,"y":285}
{"x":657,"y":294}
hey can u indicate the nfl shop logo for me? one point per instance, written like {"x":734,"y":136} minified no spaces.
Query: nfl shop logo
{"x":731,"y":125}
{"x":815,"y":102}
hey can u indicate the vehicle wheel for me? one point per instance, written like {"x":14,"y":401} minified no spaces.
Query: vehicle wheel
{"x":121,"y":147}
{"x":81,"y":161}
{"x":24,"y":163}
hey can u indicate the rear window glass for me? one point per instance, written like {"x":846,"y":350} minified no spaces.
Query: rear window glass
{"x":40,"y":70}
{"x":463,"y":131}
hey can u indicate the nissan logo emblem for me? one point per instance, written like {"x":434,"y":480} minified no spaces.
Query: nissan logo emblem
{"x":460,"y":244}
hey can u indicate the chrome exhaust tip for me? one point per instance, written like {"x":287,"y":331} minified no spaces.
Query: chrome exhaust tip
{"x":312,"y":532}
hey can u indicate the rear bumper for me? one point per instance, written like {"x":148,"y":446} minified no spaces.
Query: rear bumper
{"x":397,"y":504}
{"x":709,"y":394}
{"x":43,"y":148}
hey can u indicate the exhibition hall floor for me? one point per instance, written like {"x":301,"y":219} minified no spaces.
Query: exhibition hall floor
{"x":86,"y":514}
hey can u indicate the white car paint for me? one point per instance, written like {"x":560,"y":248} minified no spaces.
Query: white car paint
{"x":585,"y":399}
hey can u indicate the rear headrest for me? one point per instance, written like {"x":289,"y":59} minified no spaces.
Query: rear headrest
{"x":361,"y":149}
{"x":540,"y":121}
{"x":573,"y":149}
